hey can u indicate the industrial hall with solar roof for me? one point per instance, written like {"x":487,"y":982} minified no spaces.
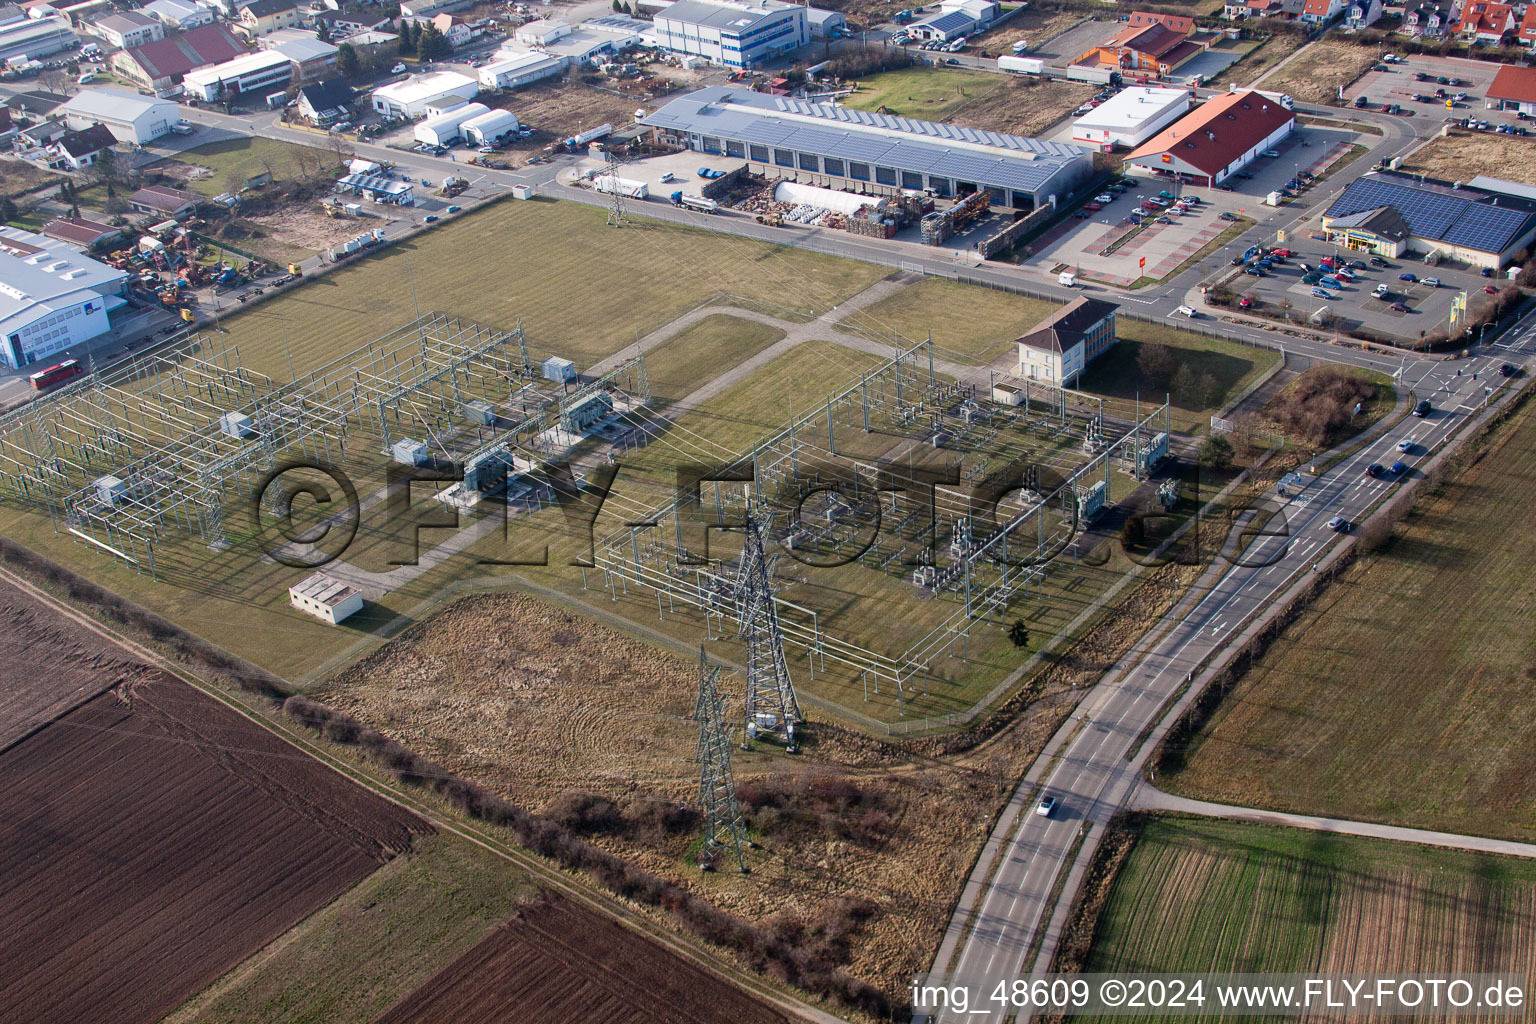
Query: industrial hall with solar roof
{"x":824,"y":144}
{"x":1483,"y":223}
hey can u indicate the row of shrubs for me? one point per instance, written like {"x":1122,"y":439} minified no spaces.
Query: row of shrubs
{"x":796,"y":953}
{"x":804,"y":954}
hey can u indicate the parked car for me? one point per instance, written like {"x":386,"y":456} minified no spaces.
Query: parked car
{"x":710,"y":172}
{"x":1246,"y":301}
{"x":1093,"y":207}
{"x":1318,"y":293}
{"x":1431,"y":282}
{"x":1272,"y":153}
{"x":1104,"y":197}
{"x":1410,"y":278}
{"x":1377,"y":261}
{"x":1166,"y":194}
{"x":1399,"y":307}
{"x":1255,"y":271}
{"x":398,"y":69}
{"x":1382,"y":291}
{"x":1486,"y":272}
{"x":1228,"y":216}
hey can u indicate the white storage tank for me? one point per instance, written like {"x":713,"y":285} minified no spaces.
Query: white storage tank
{"x":823,"y":198}
{"x":559,"y":368}
{"x":410,"y":453}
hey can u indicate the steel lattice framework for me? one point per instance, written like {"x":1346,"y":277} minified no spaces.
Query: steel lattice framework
{"x":724,"y":828}
{"x":158,"y":424}
{"x":771,"y":704}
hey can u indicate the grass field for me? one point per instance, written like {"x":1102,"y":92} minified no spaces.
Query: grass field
{"x":582,"y":298}
{"x":931,"y":94}
{"x":695,"y":356}
{"x":373,"y":945}
{"x":1116,"y":374}
{"x":1260,"y":61}
{"x":1405,"y":694}
{"x":1201,"y":895}
{"x":1461,"y":155}
{"x":246,"y":157}
{"x":970,"y":324}
{"x":1316,"y":75}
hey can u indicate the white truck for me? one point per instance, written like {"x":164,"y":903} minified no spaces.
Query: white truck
{"x":1094,"y":75}
{"x":1021,"y":65}
{"x":613,"y":185}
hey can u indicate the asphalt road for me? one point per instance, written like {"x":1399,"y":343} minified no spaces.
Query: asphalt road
{"x":1010,"y":896}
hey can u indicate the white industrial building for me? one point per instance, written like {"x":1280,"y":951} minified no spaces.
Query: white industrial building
{"x":179,"y":14}
{"x":325,"y":598}
{"x":581,"y":43}
{"x":489,"y":128}
{"x":1130,"y":117}
{"x":514,"y":68}
{"x":261,"y":72}
{"x":732,"y":34}
{"x":51,"y":296}
{"x":35,"y":38}
{"x":412,"y":97}
{"x":879,"y":154}
{"x":447,"y":126}
{"x":128,"y":116}
{"x":825,"y":24}
{"x":128,"y":29}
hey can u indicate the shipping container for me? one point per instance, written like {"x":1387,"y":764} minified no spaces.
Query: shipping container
{"x":1021,"y":65}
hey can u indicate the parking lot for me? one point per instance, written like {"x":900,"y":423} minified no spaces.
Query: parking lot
{"x":1398,"y":83}
{"x":1355,"y":304}
{"x":1080,"y":243}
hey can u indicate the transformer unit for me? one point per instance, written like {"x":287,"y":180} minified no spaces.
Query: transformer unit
{"x":236,"y":424}
{"x":410,"y":453}
{"x":558,"y":368}
{"x":110,"y":490}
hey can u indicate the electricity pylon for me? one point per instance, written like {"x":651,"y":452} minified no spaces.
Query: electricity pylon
{"x":771,"y":704}
{"x":724,"y":828}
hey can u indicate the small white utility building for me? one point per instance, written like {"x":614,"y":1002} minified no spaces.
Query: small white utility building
{"x":448,"y":126}
{"x":327,"y":599}
{"x":1131,"y":117}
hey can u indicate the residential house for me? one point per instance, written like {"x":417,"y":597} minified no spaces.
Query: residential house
{"x":1174,"y":22}
{"x":79,"y":150}
{"x":263,"y":17}
{"x":1362,"y":14}
{"x":161,"y":65}
{"x":455,"y":31}
{"x":327,"y":102}
{"x":120,"y":31}
{"x":1321,"y":12}
{"x":341,"y":24}
{"x":1527,"y":34}
{"x":180,"y":15}
{"x":163,"y":202}
{"x":1484,"y":23}
{"x":1428,"y":19}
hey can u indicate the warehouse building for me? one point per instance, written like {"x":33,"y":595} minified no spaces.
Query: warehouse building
{"x":732,"y":34}
{"x":160,"y":66}
{"x":264,"y":71}
{"x":943,"y":27}
{"x":35,"y":38}
{"x":823,"y":144}
{"x":1061,"y":346}
{"x":513,"y":68}
{"x":447,"y":127}
{"x":1219,"y":138}
{"x":128,"y":116}
{"x":412,"y":97}
{"x":180,"y":15}
{"x":489,"y":128}
{"x":1130,"y":117}
{"x":1390,"y":214}
{"x":51,"y":296}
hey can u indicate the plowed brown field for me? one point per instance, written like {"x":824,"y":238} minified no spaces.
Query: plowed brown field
{"x":153,"y":838}
{"x":556,"y":963}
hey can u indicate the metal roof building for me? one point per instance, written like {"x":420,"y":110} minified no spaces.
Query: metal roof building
{"x":828,"y":145}
{"x":51,"y":296}
{"x":1386,"y":212}
{"x":1130,"y":117}
{"x":129,"y":116}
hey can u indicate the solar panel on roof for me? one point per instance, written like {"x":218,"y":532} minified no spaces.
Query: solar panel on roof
{"x":1454,"y":219}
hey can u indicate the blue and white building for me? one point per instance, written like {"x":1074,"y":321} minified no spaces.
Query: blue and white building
{"x":52,"y":296}
{"x":731,"y":33}
{"x":875,"y":154}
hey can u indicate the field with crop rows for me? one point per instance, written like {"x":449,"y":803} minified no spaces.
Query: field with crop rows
{"x":1203,"y":895}
{"x":1405,"y":693}
{"x":157,"y":839}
